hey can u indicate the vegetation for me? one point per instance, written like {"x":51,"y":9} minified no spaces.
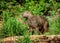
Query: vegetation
{"x":10,"y":10}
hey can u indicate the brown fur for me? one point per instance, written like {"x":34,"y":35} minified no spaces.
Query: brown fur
{"x":36,"y":22}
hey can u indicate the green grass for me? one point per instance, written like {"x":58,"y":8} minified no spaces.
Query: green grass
{"x":12,"y":9}
{"x":54,"y":28}
{"x":13,"y":28}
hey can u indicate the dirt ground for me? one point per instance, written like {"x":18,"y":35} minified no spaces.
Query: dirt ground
{"x":35,"y":39}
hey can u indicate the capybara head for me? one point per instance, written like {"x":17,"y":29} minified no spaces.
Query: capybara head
{"x":26,"y":14}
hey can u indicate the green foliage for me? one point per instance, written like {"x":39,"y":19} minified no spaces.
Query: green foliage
{"x":54,"y":26}
{"x":6,"y":15}
{"x":25,"y":39}
{"x":11,"y":8}
{"x":13,"y":27}
{"x":52,"y":12}
{"x":36,"y":8}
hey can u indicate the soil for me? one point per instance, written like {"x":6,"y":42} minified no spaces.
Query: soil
{"x":35,"y":39}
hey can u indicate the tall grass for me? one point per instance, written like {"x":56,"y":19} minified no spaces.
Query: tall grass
{"x":11,"y":26}
{"x":26,"y":37}
{"x":54,"y":26}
